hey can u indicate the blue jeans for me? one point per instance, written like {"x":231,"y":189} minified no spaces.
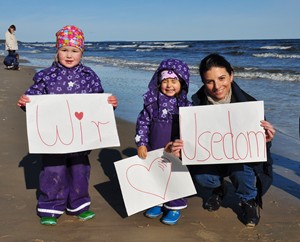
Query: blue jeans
{"x":242,"y":177}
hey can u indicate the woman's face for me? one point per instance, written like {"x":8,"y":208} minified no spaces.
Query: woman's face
{"x":217,"y":82}
{"x":69,"y":56}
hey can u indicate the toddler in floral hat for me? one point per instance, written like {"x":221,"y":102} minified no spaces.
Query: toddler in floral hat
{"x":64,"y":178}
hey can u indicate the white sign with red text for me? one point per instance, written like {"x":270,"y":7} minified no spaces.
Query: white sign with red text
{"x":226,"y":133}
{"x":70,"y":123}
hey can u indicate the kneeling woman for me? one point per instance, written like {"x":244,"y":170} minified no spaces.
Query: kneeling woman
{"x":251,"y":180}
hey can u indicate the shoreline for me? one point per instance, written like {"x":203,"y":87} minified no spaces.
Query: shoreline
{"x":19,"y":178}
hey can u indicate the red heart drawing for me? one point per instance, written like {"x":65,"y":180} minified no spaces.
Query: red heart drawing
{"x":156,"y":185}
{"x":79,"y":115}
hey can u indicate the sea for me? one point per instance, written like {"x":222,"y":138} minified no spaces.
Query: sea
{"x":267,"y":69}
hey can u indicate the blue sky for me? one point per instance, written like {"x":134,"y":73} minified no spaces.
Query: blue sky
{"x":115,"y":20}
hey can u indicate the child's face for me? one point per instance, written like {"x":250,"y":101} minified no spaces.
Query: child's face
{"x":69,"y":56}
{"x":170,"y":87}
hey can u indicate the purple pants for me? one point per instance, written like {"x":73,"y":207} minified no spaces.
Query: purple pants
{"x":64,"y":182}
{"x":177,"y":204}
{"x":162,"y":133}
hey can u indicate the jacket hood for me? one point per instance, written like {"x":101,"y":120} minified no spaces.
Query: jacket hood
{"x":182,"y":71}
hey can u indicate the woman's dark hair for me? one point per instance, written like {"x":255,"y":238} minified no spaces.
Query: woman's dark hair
{"x":214,"y":60}
{"x":12,"y":27}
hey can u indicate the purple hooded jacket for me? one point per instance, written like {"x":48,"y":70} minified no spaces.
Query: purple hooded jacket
{"x":58,"y":79}
{"x":158,"y":122}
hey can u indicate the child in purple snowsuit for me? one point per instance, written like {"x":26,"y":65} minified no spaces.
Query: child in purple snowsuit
{"x":158,"y":122}
{"x":64,"y":178}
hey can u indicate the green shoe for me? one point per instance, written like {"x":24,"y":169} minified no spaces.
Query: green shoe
{"x":48,"y":221}
{"x":86,"y":215}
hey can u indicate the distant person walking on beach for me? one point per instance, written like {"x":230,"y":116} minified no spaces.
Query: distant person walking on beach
{"x":11,"y":43}
{"x":64,"y":178}
{"x":250,"y":180}
{"x":158,"y":122}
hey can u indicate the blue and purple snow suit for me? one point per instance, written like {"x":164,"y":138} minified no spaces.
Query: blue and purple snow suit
{"x":64,"y":178}
{"x":158,"y":122}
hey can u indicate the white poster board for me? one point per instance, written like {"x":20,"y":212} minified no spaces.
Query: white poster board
{"x":155,"y":180}
{"x":70,"y":123}
{"x":226,"y":133}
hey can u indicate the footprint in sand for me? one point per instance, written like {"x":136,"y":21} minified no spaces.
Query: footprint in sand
{"x":208,"y":236}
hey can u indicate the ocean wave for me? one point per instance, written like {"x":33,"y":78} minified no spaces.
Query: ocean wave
{"x":275,"y":47}
{"x":145,"y":46}
{"x":33,"y":45}
{"x":122,"y":63}
{"x":122,"y":46}
{"x":169,"y":42}
{"x":236,"y":53}
{"x":243,"y":73}
{"x":268,"y":75}
{"x":147,"y":66}
{"x":275,"y":55}
{"x":33,"y":51}
{"x":163,"y":46}
{"x":255,"y":73}
{"x":144,"y":50}
{"x":43,"y":63}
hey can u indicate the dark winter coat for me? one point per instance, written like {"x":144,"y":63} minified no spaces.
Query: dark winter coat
{"x":263,"y":170}
{"x":11,"y":60}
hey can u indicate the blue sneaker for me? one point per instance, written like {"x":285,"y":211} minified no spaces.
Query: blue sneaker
{"x":171,"y":217}
{"x":154,"y":212}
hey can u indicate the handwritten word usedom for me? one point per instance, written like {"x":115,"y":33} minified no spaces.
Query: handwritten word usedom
{"x":230,"y":145}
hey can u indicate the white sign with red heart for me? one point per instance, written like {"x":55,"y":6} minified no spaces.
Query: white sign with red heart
{"x":70,"y":122}
{"x":158,"y":179}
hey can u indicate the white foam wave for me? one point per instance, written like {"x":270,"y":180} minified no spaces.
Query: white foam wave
{"x":30,"y":51}
{"x":274,"y":55}
{"x":122,"y":46}
{"x":268,"y":75}
{"x":275,"y":47}
{"x":163,"y":46}
{"x":122,"y":63}
{"x":48,"y":45}
{"x":170,"y":43}
{"x":144,"y":50}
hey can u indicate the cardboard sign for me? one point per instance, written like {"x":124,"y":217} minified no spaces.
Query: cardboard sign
{"x":155,"y":180}
{"x":226,"y":133}
{"x":70,"y":123}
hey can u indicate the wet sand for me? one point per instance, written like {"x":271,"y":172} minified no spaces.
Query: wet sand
{"x":280,"y":216}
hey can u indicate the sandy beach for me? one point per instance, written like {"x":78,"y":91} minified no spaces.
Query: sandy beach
{"x":280,"y":216}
